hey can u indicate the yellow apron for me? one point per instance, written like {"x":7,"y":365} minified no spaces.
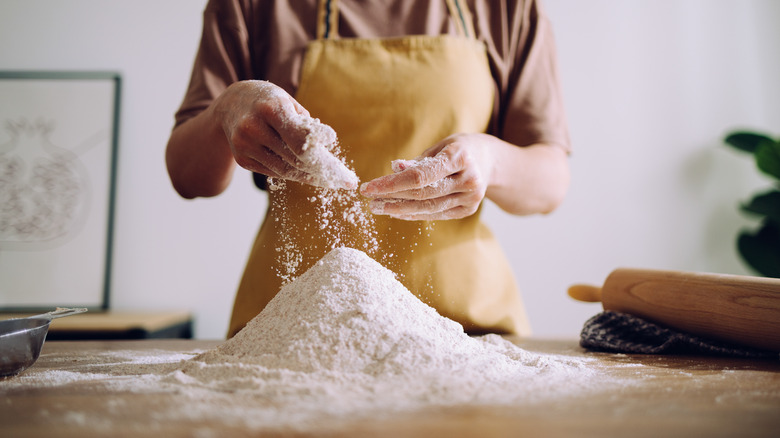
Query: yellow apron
{"x":391,"y":99}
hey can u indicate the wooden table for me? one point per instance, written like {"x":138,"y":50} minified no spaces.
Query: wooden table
{"x":670,"y":397}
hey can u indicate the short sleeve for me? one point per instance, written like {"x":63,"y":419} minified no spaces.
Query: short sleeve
{"x":529,"y":106}
{"x":223,"y":57}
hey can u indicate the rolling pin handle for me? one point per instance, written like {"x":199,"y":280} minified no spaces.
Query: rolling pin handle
{"x":585,"y":292}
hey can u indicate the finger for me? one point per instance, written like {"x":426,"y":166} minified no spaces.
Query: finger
{"x":455,"y":213}
{"x":293,"y":130}
{"x":280,"y":148}
{"x":279,"y":166}
{"x":438,"y":189}
{"x":397,"y":207}
{"x":263,"y":170}
{"x":253,"y":133}
{"x":284,"y":116}
{"x":410,"y":177}
{"x":297,"y":129}
{"x":435,"y":164}
{"x":289,"y":173}
{"x":266,"y":161}
{"x":298,"y":107}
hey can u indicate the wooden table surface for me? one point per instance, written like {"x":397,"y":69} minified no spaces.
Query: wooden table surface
{"x":670,"y":396}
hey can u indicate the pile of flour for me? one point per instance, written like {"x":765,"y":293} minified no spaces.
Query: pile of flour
{"x":347,"y":336}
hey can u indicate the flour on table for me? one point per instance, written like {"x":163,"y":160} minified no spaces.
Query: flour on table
{"x":347,"y":336}
{"x":343,"y":340}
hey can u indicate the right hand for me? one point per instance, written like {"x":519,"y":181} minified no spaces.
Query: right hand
{"x":259,"y":121}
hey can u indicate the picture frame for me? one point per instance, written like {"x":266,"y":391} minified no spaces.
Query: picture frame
{"x":58,"y":162}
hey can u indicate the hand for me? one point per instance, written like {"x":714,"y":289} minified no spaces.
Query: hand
{"x":448,"y":181}
{"x":254,"y":116}
{"x":269,"y":132}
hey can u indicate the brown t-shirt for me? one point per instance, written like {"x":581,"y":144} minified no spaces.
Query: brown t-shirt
{"x":266,"y":39}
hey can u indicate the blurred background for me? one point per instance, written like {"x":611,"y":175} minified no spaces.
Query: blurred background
{"x":652,"y":88}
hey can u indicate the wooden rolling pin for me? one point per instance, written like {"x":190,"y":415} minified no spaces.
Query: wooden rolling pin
{"x":739,"y":309}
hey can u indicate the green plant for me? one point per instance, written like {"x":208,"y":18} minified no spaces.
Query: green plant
{"x":760,"y":248}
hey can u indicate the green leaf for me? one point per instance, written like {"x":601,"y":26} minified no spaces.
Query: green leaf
{"x":766,"y":204}
{"x":762,"y":250}
{"x":768,"y":158}
{"x":746,"y":141}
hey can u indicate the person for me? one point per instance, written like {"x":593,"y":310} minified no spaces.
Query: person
{"x":466,"y":91}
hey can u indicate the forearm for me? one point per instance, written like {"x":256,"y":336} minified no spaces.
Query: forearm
{"x":198,"y":157}
{"x":527,"y":180}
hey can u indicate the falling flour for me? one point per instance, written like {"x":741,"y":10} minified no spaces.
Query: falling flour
{"x":338,"y":212}
{"x":341,"y":217}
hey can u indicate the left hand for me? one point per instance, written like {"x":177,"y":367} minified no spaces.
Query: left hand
{"x":448,"y":181}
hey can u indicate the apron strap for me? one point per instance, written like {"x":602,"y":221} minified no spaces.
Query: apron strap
{"x":328,"y":19}
{"x":459,"y":11}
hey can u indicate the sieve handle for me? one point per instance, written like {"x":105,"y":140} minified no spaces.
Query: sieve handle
{"x":60,"y":312}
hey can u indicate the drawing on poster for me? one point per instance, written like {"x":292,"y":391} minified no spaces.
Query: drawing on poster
{"x":44,"y":188}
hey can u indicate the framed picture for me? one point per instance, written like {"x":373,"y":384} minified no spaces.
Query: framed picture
{"x":58,"y":152}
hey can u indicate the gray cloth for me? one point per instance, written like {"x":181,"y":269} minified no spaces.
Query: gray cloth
{"x":623,"y":333}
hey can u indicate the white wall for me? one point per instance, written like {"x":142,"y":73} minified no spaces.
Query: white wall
{"x":651,"y":89}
